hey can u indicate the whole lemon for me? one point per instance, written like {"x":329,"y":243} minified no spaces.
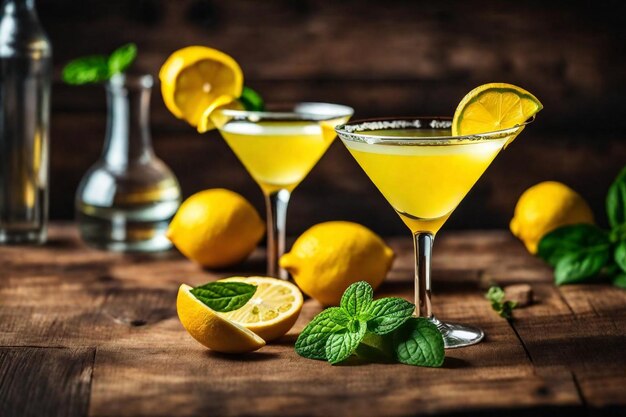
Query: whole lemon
{"x":216,"y":228}
{"x":330,"y":256}
{"x":545,"y":207}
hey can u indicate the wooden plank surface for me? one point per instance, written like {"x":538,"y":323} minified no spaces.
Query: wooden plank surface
{"x":67,"y":311}
{"x":36,"y":381}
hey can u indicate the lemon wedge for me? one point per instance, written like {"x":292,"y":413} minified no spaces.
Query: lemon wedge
{"x":212,"y":329}
{"x":492,"y":107}
{"x":273,"y":309}
{"x":192,"y":78}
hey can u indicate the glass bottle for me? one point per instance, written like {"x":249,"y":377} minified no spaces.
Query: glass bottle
{"x":25,"y":78}
{"x":128,"y":197}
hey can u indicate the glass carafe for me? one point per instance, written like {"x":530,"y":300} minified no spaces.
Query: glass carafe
{"x":128,"y":197}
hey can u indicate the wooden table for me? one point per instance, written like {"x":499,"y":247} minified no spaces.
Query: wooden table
{"x":84,"y":332}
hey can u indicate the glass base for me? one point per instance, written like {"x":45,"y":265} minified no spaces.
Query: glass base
{"x":22,"y":237}
{"x":458,"y":335}
{"x":157,"y":244}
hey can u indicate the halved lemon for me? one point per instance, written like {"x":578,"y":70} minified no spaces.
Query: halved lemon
{"x":211,"y":329}
{"x":192,"y":78}
{"x":273,"y":309}
{"x":492,"y":107}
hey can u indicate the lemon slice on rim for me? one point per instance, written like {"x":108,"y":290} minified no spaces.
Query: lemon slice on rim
{"x":208,"y":122}
{"x":492,"y":107}
{"x":192,"y":78}
{"x":211,"y":329}
{"x":273,"y":309}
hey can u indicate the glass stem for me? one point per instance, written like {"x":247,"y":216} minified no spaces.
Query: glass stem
{"x":423,"y":244}
{"x":276,"y":204}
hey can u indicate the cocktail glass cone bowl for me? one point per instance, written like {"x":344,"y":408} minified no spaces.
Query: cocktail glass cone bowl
{"x":424,"y":173}
{"x":279,"y":147}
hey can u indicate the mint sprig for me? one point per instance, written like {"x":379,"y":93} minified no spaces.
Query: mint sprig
{"x":224,"y":296}
{"x":373,"y":330}
{"x":503,"y":307}
{"x":584,"y":252}
{"x":99,"y":68}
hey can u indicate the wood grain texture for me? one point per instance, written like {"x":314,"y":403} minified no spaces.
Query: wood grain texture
{"x":65,"y":306}
{"x":384,"y":58}
{"x":45,"y":381}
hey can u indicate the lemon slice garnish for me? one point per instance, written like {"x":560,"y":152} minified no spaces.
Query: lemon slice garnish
{"x":492,"y":107}
{"x":192,"y":78}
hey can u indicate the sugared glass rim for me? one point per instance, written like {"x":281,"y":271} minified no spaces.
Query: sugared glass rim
{"x":355,"y":131}
{"x":303,"y":111}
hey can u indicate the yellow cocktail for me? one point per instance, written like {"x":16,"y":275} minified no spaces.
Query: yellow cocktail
{"x":279,"y":149}
{"x":278,"y":155}
{"x":424,"y":173}
{"x":424,"y":184}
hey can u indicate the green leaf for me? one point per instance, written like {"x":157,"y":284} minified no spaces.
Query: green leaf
{"x":565,"y":240}
{"x":340,"y":316}
{"x":342,"y":344}
{"x":224,"y":296}
{"x":620,"y":255}
{"x":620,"y":281}
{"x":357,"y":299}
{"x":311,"y":343}
{"x":579,"y":266}
{"x":387,"y":314}
{"x":506,"y":309}
{"x":89,"y":69}
{"x":251,"y":100}
{"x":616,"y":200}
{"x":419,"y":342}
{"x":495,"y":294}
{"x":122,"y":58}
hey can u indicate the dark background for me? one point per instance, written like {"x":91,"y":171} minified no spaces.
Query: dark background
{"x":381,"y":57}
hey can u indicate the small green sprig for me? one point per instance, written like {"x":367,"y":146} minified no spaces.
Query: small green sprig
{"x":224,"y":296}
{"x":585,"y":252}
{"x":503,"y":307}
{"x":382,"y":329}
{"x":99,"y":68}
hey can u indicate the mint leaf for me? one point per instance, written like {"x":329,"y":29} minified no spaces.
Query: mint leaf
{"x":224,"y":296}
{"x":506,"y":309}
{"x":311,"y":343}
{"x":342,"y":344}
{"x":388,"y":314}
{"x":620,"y":255}
{"x":251,"y":100}
{"x":419,"y":342}
{"x":340,"y":316}
{"x":579,"y":266}
{"x":121,"y":58}
{"x":565,"y":240}
{"x":620,"y":281}
{"x":89,"y":69}
{"x":616,"y":200}
{"x":357,"y":299}
{"x":495,"y":295}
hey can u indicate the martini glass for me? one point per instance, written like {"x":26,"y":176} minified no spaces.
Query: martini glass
{"x":279,"y":148}
{"x":424,"y":173}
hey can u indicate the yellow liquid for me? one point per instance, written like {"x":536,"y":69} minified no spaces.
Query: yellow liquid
{"x":279,"y":154}
{"x":424,"y":184}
